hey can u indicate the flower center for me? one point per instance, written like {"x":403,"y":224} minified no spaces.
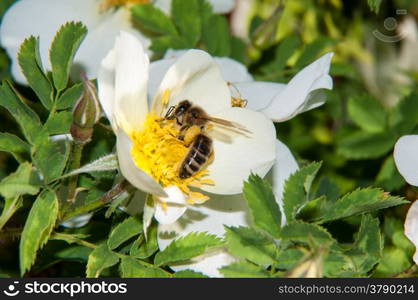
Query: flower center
{"x":107,"y":4}
{"x":157,"y":151}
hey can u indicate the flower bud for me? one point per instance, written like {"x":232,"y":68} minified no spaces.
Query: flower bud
{"x":86,"y":113}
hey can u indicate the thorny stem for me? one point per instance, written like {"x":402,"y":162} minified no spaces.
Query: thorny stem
{"x":75,"y":164}
{"x":408,"y":272}
{"x":63,"y":236}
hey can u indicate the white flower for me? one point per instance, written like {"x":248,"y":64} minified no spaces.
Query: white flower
{"x":278,"y":101}
{"x":149,"y":151}
{"x":44,"y":17}
{"x":406,"y":160}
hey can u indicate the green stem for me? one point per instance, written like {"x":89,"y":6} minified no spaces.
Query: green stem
{"x":75,"y":164}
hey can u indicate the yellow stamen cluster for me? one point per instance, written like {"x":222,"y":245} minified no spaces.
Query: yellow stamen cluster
{"x":157,"y":150}
{"x":238,"y":102}
{"x":106,"y":4}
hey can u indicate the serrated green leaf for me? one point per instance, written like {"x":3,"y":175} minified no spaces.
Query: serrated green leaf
{"x":11,"y":205}
{"x":133,"y":268}
{"x":142,"y":248}
{"x":185,"y":14}
{"x":162,"y":43}
{"x":31,"y":65}
{"x":264,"y":210}
{"x":28,"y":120}
{"x":187,"y":247}
{"x":249,"y":244}
{"x":23,"y":181}
{"x":394,"y":261}
{"x":244,"y":269}
{"x":125,"y":230}
{"x":59,"y":123}
{"x":388,"y":176}
{"x":74,"y":253}
{"x":38,"y":228}
{"x":100,"y":259}
{"x":358,"y":202}
{"x":189,"y":274}
{"x":404,"y":116}
{"x":367,"y":113}
{"x":297,"y":188}
{"x":70,"y":96}
{"x":50,"y":158}
{"x":216,"y":36}
{"x":62,"y":51}
{"x":306,"y":233}
{"x":288,"y":258}
{"x":14,"y":145}
{"x":153,"y":19}
{"x":105,"y":163}
{"x":369,"y":241}
{"x":362,"y":145}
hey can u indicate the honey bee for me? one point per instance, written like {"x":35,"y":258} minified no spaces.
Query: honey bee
{"x":192,"y":120}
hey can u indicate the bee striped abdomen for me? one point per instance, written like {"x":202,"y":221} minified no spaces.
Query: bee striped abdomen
{"x":198,"y":155}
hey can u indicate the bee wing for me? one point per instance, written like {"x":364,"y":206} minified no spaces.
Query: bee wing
{"x":228,"y":124}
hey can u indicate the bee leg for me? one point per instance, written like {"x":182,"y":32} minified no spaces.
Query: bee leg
{"x":183,"y":131}
{"x":191,"y":134}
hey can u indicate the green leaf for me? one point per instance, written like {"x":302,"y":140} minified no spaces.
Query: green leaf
{"x":153,"y":19}
{"x":74,"y":253}
{"x":388,"y":176}
{"x":367,"y":113}
{"x":306,"y":233}
{"x":21,"y":182}
{"x":59,"y":123}
{"x":404,"y":116}
{"x":374,"y":5}
{"x":38,"y":228}
{"x":362,"y":145}
{"x":249,"y":244}
{"x":70,"y":96}
{"x":142,"y":248}
{"x":11,"y":205}
{"x":358,"y":202}
{"x":125,"y":230}
{"x":369,"y":241}
{"x":28,"y":121}
{"x":133,"y":268}
{"x":185,"y":14}
{"x":31,"y":65}
{"x":100,"y":259}
{"x":215,"y":35}
{"x":264,"y":210}
{"x":105,"y":163}
{"x":244,"y":269}
{"x":189,"y":274}
{"x":162,"y":43}
{"x":14,"y":145}
{"x":50,"y":158}
{"x":62,"y":52}
{"x":289,"y":258}
{"x":394,"y":261}
{"x":187,"y":247}
{"x":297,"y":188}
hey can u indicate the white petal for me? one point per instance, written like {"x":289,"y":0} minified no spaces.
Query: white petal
{"x":157,"y":71}
{"x":411,"y":227}
{"x":295,"y":98}
{"x":222,"y":6}
{"x":169,"y":209}
{"x":210,"y":217}
{"x":164,"y":5}
{"x":106,"y":86}
{"x":195,"y":76}
{"x":236,"y":155}
{"x":131,"y":79}
{"x":42,"y":18}
{"x":284,"y":166}
{"x":78,"y":221}
{"x":406,"y":158}
{"x":130,"y":171}
{"x":101,"y":38}
{"x":258,"y":94}
{"x":232,"y":70}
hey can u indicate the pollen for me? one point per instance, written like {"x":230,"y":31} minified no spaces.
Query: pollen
{"x":158,"y":152}
{"x":106,"y":4}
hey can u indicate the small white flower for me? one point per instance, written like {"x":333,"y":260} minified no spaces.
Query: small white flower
{"x":44,"y":17}
{"x":406,"y":160}
{"x":280,"y":102}
{"x":149,"y":153}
